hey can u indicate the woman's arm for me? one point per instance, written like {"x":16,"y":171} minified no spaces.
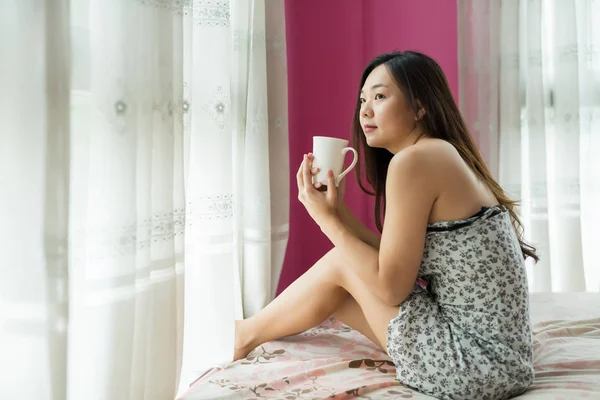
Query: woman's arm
{"x":392,"y":271}
{"x":357,"y":227}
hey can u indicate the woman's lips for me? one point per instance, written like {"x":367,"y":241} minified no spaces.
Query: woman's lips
{"x":369,"y":128}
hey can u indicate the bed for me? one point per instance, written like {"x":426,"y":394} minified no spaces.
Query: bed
{"x":334,"y":361}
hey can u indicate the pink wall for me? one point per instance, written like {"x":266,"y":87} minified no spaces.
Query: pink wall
{"x":328,"y":44}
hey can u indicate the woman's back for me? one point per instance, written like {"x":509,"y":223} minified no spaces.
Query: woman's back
{"x":461,"y":193}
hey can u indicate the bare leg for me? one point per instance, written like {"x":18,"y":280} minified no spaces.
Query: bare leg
{"x":325,"y":289}
{"x":351,"y":314}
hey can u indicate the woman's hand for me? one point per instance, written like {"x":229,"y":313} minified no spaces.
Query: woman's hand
{"x":322,"y":206}
{"x":341,"y":190}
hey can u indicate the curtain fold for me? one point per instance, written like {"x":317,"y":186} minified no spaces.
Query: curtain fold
{"x":548,"y":112}
{"x":127,"y":200}
{"x":34,"y":187}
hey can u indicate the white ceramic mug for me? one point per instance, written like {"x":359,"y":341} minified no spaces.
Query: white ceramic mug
{"x":329,"y":154}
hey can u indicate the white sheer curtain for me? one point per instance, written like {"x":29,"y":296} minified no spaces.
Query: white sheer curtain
{"x":238,"y":181}
{"x":143,"y":152}
{"x":529,"y":75}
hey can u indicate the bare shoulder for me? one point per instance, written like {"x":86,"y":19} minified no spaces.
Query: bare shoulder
{"x":416,"y":169}
{"x":427,"y":158}
{"x":436,"y":166}
{"x":437,"y":150}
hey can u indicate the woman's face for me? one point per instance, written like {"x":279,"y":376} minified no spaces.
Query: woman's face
{"x":386,"y":115}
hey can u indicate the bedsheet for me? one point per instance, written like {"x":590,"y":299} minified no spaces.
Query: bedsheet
{"x":336,"y":362}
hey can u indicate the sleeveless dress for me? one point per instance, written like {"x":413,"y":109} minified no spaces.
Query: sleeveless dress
{"x":464,"y":331}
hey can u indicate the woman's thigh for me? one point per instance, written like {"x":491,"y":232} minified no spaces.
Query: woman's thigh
{"x":351,"y":314}
{"x":362,"y":309}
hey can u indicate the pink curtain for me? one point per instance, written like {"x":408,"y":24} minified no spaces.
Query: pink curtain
{"x":328,"y":45}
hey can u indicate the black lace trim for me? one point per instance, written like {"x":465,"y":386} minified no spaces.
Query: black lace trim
{"x":454,"y":225}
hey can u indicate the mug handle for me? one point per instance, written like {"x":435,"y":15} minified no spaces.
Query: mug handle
{"x":344,"y":151}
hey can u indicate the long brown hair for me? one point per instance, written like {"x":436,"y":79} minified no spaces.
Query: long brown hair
{"x":425,"y":84}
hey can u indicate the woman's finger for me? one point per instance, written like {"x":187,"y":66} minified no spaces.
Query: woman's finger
{"x":306,"y":172}
{"x":299,"y":178}
{"x":331,"y":189}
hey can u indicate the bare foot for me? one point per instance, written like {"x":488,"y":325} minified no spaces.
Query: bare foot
{"x":243,"y":340}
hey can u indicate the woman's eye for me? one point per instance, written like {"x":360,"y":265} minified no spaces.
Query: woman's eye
{"x":361,"y":100}
{"x":379,"y":96}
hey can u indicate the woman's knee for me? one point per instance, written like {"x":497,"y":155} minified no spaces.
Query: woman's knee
{"x":334,"y":263}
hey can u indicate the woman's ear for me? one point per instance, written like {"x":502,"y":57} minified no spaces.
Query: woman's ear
{"x":420,"y":112}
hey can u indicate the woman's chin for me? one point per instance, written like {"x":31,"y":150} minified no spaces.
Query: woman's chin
{"x":371,"y":141}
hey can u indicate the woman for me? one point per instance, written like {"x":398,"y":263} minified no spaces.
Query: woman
{"x":444,"y":290}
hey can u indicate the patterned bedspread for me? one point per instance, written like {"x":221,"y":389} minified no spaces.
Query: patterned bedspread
{"x":336,"y":362}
